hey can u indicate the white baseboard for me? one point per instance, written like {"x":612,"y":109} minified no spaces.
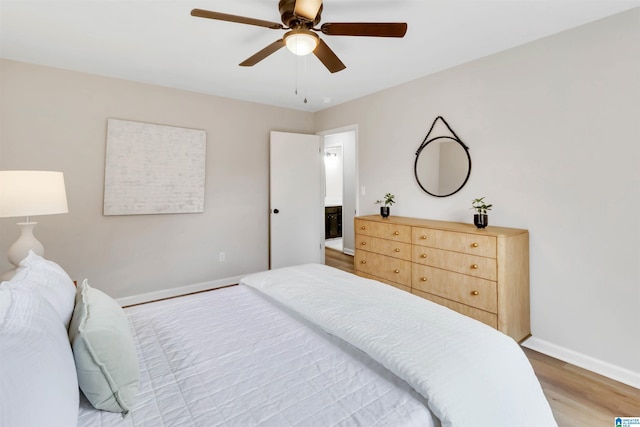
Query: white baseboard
{"x":174,"y":292}
{"x":587,"y":362}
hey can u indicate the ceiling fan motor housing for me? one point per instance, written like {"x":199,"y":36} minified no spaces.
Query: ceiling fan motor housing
{"x":293,"y":21}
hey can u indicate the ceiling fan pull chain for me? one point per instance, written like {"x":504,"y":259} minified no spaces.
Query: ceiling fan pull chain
{"x":295,"y":62}
{"x":304,"y":73}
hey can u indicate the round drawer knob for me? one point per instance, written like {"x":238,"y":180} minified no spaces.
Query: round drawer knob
{"x":424,"y":279}
{"x":363,"y":228}
{"x":474,"y":245}
{"x":363,"y":262}
{"x":396,"y":233}
{"x":396,"y":271}
{"x":474,"y":266}
{"x":423,"y":237}
{"x":423,"y":256}
{"x":363,"y":243}
{"x":474,"y":292}
{"x":396,"y":250}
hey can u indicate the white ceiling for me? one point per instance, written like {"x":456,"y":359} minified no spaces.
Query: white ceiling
{"x":158,"y":42}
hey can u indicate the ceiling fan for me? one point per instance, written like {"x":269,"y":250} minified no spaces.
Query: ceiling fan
{"x":300,"y":17}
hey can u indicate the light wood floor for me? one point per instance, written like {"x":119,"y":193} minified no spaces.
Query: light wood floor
{"x":577,"y":397}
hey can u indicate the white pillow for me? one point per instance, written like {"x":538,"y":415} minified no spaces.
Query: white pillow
{"x":38,"y":383}
{"x":48,"y":279}
{"x":104,"y":351}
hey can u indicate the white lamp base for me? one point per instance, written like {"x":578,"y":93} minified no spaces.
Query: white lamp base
{"x":21,"y":247}
{"x":26,"y":242}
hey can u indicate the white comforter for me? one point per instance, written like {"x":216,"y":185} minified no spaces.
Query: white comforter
{"x":471,"y":374}
{"x":233,"y":358}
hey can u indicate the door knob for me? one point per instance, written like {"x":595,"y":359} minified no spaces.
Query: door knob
{"x":276,"y":211}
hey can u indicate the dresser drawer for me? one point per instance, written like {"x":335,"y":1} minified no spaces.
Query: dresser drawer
{"x":472,"y":291}
{"x":387,"y":282}
{"x":393,"y":269}
{"x":385,"y":247}
{"x":391,"y":231}
{"x":472,"y":265}
{"x":485,"y":317}
{"x":467,"y":243}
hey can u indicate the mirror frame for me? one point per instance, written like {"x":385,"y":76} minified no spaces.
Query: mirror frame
{"x":426,"y":142}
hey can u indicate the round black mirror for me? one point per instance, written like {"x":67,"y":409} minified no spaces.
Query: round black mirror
{"x":442,"y":165}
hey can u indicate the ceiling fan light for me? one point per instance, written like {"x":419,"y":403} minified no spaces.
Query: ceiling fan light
{"x":301,"y":43}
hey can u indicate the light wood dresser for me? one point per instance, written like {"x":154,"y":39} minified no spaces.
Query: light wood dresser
{"x":483,"y":274}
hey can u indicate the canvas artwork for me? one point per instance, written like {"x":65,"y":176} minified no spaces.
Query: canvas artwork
{"x":153,"y":169}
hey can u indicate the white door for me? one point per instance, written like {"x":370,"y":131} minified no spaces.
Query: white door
{"x":296,"y":199}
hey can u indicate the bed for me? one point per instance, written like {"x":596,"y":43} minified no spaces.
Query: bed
{"x":300,"y":346}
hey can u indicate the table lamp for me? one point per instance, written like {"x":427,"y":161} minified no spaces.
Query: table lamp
{"x":26,"y":194}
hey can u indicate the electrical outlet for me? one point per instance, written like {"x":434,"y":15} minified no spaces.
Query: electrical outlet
{"x":223,"y":257}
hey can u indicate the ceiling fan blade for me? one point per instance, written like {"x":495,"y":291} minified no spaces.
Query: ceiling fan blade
{"x":365,"y":29}
{"x":200,"y":13}
{"x":307,"y":9}
{"x":259,"y":56}
{"x":328,"y":58}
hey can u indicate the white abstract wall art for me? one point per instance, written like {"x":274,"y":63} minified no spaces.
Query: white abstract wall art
{"x":153,"y":169}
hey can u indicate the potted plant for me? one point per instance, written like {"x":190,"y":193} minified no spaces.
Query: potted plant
{"x":480,"y":218}
{"x":387,"y":202}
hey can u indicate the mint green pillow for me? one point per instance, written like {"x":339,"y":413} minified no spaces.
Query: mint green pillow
{"x":104,"y":351}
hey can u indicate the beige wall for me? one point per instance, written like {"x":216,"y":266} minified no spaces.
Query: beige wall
{"x":52,"y":119}
{"x":554,"y":134}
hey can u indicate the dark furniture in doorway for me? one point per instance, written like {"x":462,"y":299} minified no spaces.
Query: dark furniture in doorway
{"x":332,"y":222}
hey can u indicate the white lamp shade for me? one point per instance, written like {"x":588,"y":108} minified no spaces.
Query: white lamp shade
{"x":29,"y":193}
{"x":301,"y":43}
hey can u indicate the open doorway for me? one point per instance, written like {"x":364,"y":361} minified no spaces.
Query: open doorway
{"x":333,"y":195}
{"x":340,"y":161}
